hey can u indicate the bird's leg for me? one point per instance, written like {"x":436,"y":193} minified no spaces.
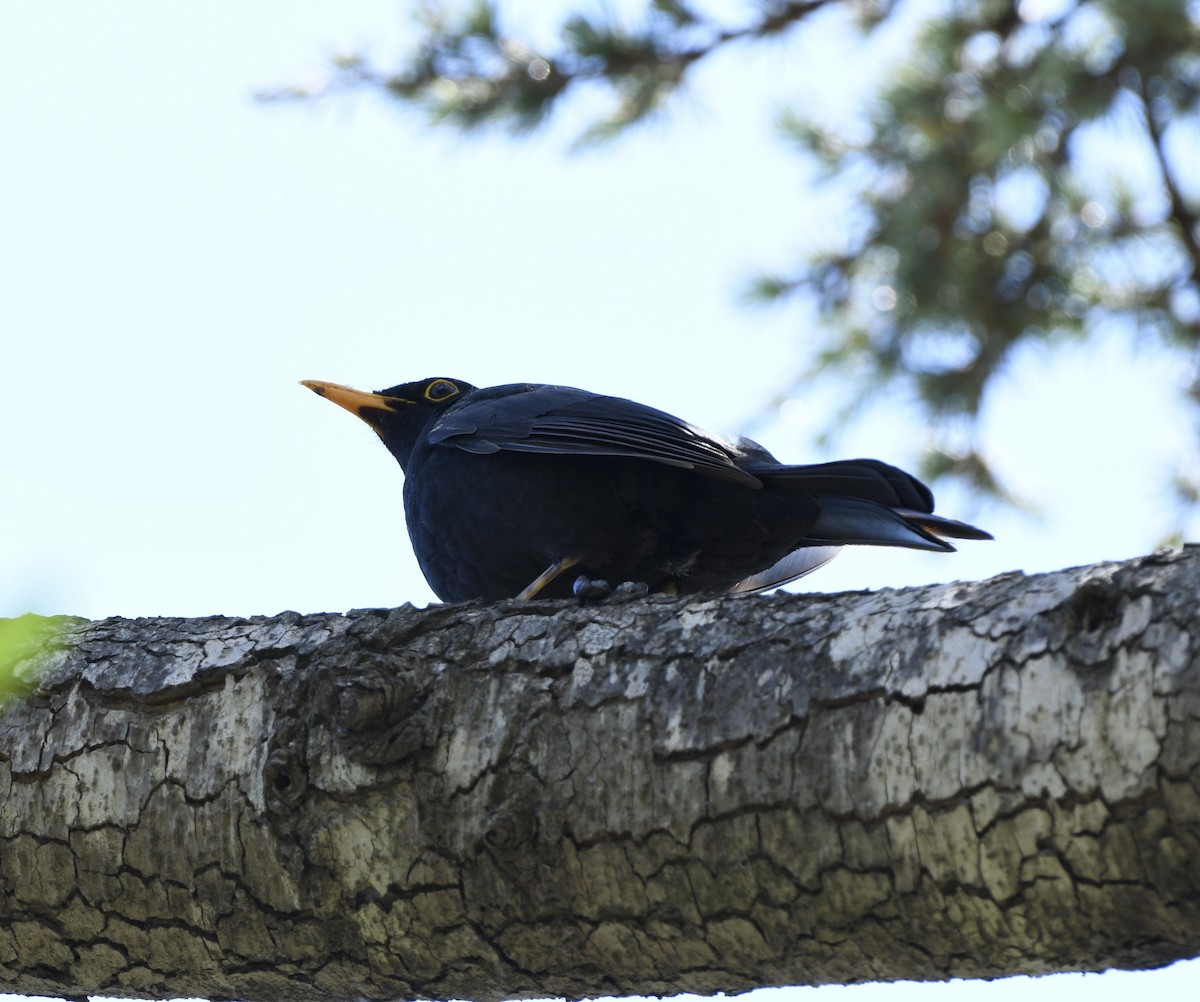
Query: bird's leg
{"x":543,"y":579}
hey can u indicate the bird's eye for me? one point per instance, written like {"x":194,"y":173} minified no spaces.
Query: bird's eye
{"x":440,"y":389}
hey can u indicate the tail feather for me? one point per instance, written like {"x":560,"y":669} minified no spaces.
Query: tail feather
{"x":866,"y":501}
{"x":848,"y":520}
{"x":938,"y":526}
{"x":867,"y":479}
{"x":862,"y":501}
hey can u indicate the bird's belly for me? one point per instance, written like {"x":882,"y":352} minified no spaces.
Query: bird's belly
{"x":485,"y":526}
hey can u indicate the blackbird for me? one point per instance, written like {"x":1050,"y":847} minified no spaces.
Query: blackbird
{"x":509,"y":487}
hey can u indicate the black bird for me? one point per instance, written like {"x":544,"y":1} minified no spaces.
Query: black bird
{"x":507,"y":488}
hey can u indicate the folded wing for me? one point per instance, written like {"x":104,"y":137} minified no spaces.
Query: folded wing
{"x":561,"y":420}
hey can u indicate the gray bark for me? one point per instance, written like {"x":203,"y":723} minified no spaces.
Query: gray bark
{"x":968,"y":780}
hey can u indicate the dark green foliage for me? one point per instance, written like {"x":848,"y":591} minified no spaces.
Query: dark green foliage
{"x":1022,"y":178}
{"x":1008,"y":203}
{"x":469,"y":71}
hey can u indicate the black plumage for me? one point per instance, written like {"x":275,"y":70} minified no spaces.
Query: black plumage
{"x":509,"y":488}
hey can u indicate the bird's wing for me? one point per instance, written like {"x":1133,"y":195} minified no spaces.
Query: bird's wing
{"x":560,"y":420}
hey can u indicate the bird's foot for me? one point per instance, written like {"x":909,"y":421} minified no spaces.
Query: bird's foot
{"x":628,"y":590}
{"x":586,"y":588}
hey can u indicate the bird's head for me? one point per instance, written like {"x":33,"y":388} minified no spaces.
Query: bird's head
{"x":398,"y":414}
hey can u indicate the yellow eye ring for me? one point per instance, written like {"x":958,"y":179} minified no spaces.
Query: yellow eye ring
{"x":439,"y":390}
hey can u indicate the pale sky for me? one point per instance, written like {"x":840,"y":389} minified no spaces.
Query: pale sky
{"x":176,"y":257}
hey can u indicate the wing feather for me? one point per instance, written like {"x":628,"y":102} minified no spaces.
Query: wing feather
{"x":560,"y":420}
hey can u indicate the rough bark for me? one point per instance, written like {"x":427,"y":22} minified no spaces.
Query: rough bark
{"x":967,"y":780}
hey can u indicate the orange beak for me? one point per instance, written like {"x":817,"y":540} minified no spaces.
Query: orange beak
{"x":370,"y":407}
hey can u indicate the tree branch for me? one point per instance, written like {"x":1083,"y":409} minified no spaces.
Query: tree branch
{"x":968,"y":780}
{"x":1185,"y":219}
